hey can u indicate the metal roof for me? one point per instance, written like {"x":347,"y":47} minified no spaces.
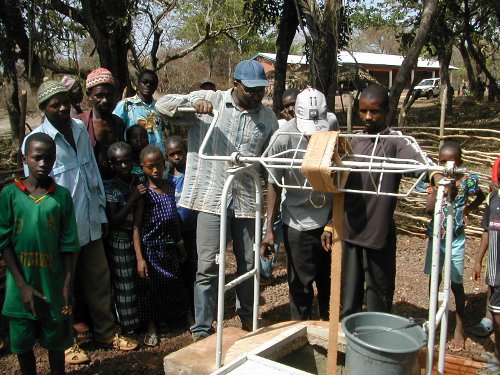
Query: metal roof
{"x":362,"y":58}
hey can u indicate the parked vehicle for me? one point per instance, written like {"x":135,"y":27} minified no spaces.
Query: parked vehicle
{"x":428,"y":88}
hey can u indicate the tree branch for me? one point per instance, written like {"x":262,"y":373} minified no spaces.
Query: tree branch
{"x":210,"y":35}
{"x":69,"y":11}
{"x":428,"y":13}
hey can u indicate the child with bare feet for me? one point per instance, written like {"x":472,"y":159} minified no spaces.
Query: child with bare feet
{"x":159,"y":249}
{"x":465,"y":187}
{"x":38,"y":237}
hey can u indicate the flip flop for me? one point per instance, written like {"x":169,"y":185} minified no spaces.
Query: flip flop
{"x":492,"y":368}
{"x":483,"y":329}
{"x":119,"y":342}
{"x":151,"y":339}
{"x":485,"y":357}
{"x":75,"y":355}
{"x":456,"y":346}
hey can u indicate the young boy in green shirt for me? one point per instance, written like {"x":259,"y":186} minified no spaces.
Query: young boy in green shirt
{"x":38,"y":236}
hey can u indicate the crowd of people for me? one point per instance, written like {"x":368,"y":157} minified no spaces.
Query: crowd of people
{"x":115,"y":228}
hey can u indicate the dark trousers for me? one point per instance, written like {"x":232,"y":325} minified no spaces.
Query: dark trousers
{"x":93,"y":280}
{"x":307,"y":262}
{"x":374,"y":267}
{"x":188,"y":268}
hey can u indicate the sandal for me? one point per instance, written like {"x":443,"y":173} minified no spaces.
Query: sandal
{"x":119,"y":342}
{"x":75,"y":355}
{"x":492,"y":368}
{"x":151,"y":339}
{"x":483,"y":329}
{"x":484,"y":357}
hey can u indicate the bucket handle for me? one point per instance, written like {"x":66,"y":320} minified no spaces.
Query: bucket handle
{"x":412,"y":322}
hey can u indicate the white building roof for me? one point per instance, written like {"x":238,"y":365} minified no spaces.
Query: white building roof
{"x":363,"y":58}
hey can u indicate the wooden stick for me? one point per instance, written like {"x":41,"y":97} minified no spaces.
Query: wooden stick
{"x":335,"y":281}
{"x":444,"y":99}
{"x":22,"y":124}
{"x":12,"y":172}
{"x":458,"y":130}
{"x":349,"y":112}
{"x":409,"y":232}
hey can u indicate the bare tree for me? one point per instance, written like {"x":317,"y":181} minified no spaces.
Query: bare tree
{"x":109,"y":23}
{"x":15,"y":45}
{"x":411,"y":58}
{"x":476,"y":53}
{"x":322,"y":44}
{"x":286,"y":32}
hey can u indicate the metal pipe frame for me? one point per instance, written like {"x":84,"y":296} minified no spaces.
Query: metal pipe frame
{"x":240,"y":164}
{"x":255,"y":272}
{"x":437,"y":316}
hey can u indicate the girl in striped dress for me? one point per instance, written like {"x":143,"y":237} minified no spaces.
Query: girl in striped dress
{"x":122,"y":193}
{"x":159,"y":249}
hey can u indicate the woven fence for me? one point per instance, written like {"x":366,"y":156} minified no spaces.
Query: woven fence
{"x":480,"y":148}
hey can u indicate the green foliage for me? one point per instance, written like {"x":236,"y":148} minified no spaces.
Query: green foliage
{"x":247,"y":40}
{"x":263,"y":13}
{"x":363,"y":16}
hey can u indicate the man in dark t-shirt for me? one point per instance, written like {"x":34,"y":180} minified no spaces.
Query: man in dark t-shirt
{"x":369,"y":246}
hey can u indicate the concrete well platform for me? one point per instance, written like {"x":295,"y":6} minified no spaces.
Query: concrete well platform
{"x":275,"y":341}
{"x":199,"y":358}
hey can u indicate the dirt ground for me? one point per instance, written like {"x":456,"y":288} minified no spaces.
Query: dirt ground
{"x":410,"y":300}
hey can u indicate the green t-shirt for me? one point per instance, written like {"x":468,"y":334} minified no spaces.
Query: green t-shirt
{"x":38,"y":230}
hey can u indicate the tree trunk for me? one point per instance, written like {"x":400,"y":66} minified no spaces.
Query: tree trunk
{"x":471,"y":76}
{"x":8,"y":58}
{"x":11,"y":91}
{"x":324,"y":56}
{"x":109,"y":24}
{"x":410,"y":60}
{"x":407,"y":103}
{"x":113,"y":56}
{"x":154,"y":48}
{"x":322,"y":45}
{"x":12,"y":100}
{"x":286,"y":32}
{"x":476,"y":55}
{"x":444,"y":56}
{"x":481,"y":62}
{"x":12,"y":18}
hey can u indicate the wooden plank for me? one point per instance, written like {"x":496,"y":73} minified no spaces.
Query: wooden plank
{"x":338,"y":228}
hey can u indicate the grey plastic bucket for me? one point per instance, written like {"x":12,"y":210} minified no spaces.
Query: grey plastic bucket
{"x":381,"y":344}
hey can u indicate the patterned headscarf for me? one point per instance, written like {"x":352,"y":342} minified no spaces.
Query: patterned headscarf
{"x":68,"y":82}
{"x":48,"y":89}
{"x":99,"y":76}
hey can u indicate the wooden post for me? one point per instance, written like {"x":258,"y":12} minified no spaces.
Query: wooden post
{"x":22,"y":124}
{"x":349,"y":113}
{"x":335,"y":281}
{"x":444,"y":100}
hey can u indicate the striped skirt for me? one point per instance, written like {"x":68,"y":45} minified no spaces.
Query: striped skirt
{"x":123,"y":269}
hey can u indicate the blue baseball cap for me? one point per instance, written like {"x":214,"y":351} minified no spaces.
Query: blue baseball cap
{"x":251,"y":74}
